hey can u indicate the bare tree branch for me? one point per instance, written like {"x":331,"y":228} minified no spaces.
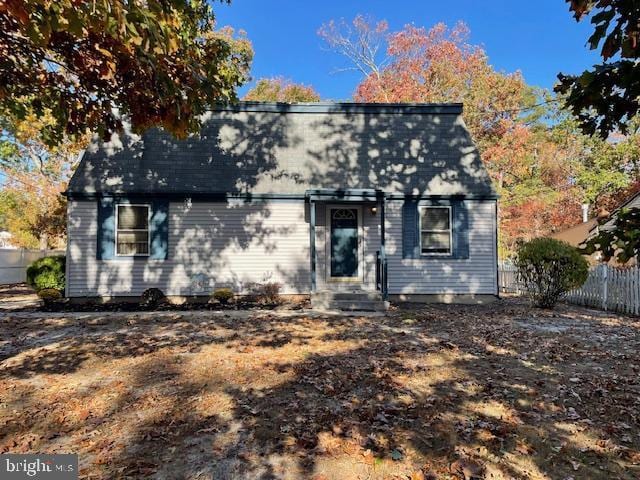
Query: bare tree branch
{"x":360,"y":42}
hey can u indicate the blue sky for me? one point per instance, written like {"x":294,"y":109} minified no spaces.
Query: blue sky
{"x":538,"y":38}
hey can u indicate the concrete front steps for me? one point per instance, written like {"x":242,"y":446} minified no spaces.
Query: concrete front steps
{"x":349,"y":301}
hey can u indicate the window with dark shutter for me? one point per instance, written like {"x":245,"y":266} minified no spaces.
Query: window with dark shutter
{"x":435,"y":230}
{"x":132,"y":230}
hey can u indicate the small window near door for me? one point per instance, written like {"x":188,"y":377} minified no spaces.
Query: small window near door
{"x":132,"y":231}
{"x":435,"y":230}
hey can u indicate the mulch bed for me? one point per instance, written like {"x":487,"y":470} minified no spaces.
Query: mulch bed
{"x":91,"y":306}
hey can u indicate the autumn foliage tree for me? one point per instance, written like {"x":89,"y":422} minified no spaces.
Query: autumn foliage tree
{"x":540,"y":161}
{"x":34,"y":175}
{"x":437,"y":65}
{"x":440,"y":65}
{"x":430,"y":65}
{"x":89,"y":64}
{"x":281,"y":90}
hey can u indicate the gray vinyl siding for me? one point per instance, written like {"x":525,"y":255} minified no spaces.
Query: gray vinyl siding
{"x":475,"y":275}
{"x":236,"y":244}
{"x":230,"y":244}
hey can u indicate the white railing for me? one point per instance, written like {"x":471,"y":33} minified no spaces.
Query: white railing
{"x":14,"y":263}
{"x":608,"y":288}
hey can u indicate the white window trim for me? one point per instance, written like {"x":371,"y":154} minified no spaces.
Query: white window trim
{"x":148,"y":229}
{"x":421,"y":210}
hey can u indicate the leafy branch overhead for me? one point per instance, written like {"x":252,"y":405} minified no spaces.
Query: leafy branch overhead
{"x":606,"y":97}
{"x":158,"y":63}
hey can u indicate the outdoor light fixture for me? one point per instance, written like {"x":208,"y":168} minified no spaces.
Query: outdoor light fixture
{"x":374,"y":210}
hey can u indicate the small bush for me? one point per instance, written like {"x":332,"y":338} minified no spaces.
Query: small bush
{"x":223,"y":295}
{"x":549,"y":268}
{"x":49,"y":295}
{"x":47,"y":272}
{"x":152,"y":297}
{"x":270,"y":292}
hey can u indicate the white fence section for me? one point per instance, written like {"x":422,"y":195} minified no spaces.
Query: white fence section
{"x":14,"y":263}
{"x":608,"y":288}
{"x":508,"y":279}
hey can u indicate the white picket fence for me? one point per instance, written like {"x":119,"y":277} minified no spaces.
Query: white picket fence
{"x":607,"y":288}
{"x":508,"y":279}
{"x":14,"y":263}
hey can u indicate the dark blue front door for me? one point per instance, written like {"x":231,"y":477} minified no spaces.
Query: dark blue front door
{"x":344,"y":242}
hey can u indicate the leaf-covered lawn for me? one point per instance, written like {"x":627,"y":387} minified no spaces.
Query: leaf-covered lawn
{"x":498,"y":391}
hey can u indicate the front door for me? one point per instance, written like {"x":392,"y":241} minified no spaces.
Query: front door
{"x":344,"y":244}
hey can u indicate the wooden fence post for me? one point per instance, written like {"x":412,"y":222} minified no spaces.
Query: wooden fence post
{"x":605,"y":286}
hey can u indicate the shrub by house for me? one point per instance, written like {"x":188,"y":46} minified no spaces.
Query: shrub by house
{"x":47,"y":272}
{"x":550,"y":268}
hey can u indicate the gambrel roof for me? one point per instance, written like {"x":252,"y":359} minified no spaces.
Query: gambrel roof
{"x":271,"y":148}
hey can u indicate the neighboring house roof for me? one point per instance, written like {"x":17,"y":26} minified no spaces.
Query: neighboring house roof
{"x":577,"y":234}
{"x":264,"y":148}
{"x":631,"y":202}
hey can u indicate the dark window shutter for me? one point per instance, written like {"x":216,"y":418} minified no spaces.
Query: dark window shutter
{"x":106,"y":247}
{"x":410,"y":239}
{"x":460,"y":233}
{"x":159,"y":230}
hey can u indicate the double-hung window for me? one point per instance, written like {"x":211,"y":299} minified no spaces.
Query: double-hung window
{"x":132,"y":230}
{"x":435,"y":230}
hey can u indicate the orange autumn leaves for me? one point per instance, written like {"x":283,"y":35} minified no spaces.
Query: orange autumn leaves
{"x":531,"y":168}
{"x":90,"y":63}
{"x":439,"y":65}
{"x":32,"y":208}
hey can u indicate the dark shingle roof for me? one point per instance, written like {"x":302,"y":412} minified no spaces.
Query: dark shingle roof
{"x":287,"y":149}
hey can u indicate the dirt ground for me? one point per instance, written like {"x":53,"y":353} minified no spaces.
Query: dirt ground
{"x":498,"y":391}
{"x":18,"y":296}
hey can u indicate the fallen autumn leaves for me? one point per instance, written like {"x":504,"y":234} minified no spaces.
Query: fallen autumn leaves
{"x":498,"y":391}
